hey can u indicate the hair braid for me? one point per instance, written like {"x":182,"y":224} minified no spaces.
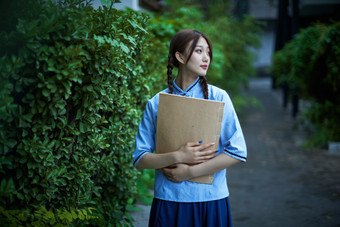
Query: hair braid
{"x":204,"y":86}
{"x":170,"y":67}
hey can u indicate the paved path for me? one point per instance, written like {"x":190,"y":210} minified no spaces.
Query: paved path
{"x":281,"y":184}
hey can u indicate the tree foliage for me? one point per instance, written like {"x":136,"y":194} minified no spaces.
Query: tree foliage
{"x":310,"y":63}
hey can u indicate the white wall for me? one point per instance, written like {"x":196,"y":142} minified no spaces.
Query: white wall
{"x":133,"y":4}
{"x":265,"y":52}
{"x":265,"y":10}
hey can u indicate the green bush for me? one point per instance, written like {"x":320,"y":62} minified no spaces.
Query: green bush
{"x":294,"y":63}
{"x":310,"y":63}
{"x":72,"y":90}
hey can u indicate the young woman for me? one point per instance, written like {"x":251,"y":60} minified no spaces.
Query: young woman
{"x":178,"y":202}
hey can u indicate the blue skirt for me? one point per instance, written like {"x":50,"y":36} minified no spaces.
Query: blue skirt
{"x":199,"y":214}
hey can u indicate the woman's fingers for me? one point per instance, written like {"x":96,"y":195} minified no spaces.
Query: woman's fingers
{"x":167,"y":172}
{"x":194,"y":144}
{"x":177,"y":174}
{"x":205,"y":146}
{"x":196,"y":152}
{"x":205,"y":155}
{"x":199,"y":144}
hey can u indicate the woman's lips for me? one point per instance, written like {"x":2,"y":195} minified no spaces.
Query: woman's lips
{"x":204,"y":67}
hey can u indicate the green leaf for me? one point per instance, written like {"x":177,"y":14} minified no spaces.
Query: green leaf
{"x":46,"y":92}
{"x":81,"y":127}
{"x":124,"y":48}
{"x":74,"y":215}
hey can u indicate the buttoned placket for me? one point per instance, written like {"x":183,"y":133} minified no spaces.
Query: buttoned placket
{"x":188,"y":92}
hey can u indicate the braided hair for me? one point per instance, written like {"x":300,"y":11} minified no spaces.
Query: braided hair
{"x":170,"y":68}
{"x":179,"y":43}
{"x":204,"y":86}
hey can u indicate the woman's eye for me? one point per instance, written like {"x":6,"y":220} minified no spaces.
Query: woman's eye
{"x":199,"y":51}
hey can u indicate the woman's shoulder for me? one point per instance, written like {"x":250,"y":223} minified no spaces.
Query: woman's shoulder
{"x":153,"y":102}
{"x":217,"y":93}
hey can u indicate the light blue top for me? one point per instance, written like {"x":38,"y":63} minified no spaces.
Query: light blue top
{"x":231,"y":143}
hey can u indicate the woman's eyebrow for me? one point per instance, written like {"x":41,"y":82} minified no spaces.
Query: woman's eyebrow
{"x":201,"y":46}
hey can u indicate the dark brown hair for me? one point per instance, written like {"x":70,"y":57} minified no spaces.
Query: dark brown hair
{"x":180,"y":43}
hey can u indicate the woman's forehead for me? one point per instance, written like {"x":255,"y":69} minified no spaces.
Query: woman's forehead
{"x":202,"y":42}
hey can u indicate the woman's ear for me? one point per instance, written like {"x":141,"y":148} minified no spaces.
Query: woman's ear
{"x":180,"y":57}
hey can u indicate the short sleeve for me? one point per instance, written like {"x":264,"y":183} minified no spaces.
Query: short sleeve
{"x":145,"y":139}
{"x":232,"y":138}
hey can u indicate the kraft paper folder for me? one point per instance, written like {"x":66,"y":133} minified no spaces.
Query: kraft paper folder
{"x":182,"y":119}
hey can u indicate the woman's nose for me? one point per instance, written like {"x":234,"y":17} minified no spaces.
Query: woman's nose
{"x":205,"y":57}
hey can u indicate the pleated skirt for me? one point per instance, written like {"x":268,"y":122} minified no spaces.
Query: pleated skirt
{"x":198,"y":214}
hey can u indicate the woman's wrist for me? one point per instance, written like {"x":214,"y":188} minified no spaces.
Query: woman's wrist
{"x":191,"y":171}
{"x":177,"y":157}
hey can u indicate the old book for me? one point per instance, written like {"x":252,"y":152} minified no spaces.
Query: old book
{"x":182,"y":119}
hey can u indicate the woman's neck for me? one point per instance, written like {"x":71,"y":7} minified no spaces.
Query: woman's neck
{"x":184,"y":81}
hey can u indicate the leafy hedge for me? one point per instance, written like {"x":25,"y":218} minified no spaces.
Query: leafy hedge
{"x":72,"y":88}
{"x":310,"y":63}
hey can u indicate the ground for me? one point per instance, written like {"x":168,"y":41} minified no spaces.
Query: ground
{"x":282,"y":183}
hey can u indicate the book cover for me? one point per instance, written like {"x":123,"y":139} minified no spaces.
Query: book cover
{"x":182,"y":119}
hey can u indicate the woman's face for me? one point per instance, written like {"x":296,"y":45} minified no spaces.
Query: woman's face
{"x":199,"y":61}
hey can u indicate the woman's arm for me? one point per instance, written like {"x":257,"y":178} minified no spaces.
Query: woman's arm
{"x":182,"y":172}
{"x":191,"y":153}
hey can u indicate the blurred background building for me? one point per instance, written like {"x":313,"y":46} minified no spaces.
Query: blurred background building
{"x":266,"y":12}
{"x":282,"y":20}
{"x":138,"y":5}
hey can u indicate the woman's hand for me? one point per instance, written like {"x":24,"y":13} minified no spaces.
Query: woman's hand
{"x":183,"y":172}
{"x":177,"y":172}
{"x":192,"y":153}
